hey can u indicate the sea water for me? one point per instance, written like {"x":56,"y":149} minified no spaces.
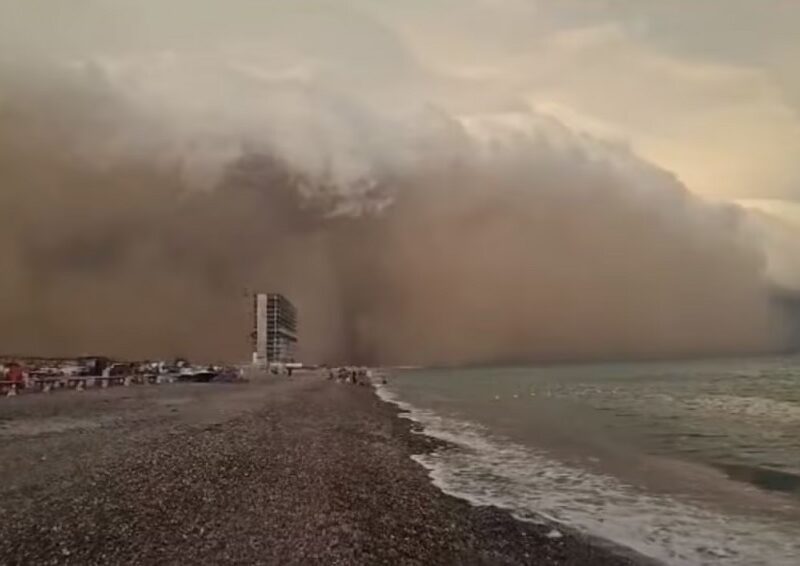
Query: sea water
{"x":686,"y":462}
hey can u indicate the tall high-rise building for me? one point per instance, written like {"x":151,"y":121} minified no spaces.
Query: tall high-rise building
{"x":275,"y":329}
{"x":281,"y":329}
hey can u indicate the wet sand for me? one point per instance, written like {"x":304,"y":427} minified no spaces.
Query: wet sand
{"x":276,"y":471}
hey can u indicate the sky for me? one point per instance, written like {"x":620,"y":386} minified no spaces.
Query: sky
{"x":565,"y":134}
{"x":708,"y":90}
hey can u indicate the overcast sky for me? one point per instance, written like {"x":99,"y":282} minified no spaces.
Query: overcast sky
{"x":708,"y":89}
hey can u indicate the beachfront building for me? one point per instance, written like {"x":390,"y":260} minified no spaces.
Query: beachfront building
{"x":275,"y":330}
{"x":281,"y":329}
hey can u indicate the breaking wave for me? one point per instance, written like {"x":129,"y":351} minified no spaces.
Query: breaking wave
{"x":486,"y":469}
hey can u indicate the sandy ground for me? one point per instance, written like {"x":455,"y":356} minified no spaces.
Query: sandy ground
{"x":276,"y":471}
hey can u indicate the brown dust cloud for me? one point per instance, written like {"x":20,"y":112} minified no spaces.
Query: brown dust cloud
{"x":139,"y":213}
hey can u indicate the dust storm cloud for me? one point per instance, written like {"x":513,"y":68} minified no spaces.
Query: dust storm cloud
{"x":146,"y":191}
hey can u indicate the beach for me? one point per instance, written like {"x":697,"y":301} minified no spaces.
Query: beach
{"x":274,"y":471}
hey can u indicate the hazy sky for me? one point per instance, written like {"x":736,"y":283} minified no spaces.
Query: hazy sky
{"x":558,"y":175}
{"x":708,"y":89}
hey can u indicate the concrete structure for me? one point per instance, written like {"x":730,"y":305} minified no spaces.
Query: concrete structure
{"x":260,"y":330}
{"x":275,"y":333}
{"x":281,"y":329}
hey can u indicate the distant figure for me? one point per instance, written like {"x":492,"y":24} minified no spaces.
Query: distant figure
{"x":15,"y":375}
{"x":289,"y":370}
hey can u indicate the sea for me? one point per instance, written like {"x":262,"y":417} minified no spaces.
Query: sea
{"x":691,"y":462}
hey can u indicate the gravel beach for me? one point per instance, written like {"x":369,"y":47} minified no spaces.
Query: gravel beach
{"x":275,"y":471}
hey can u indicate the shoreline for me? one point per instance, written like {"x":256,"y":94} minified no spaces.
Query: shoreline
{"x":300,"y":471}
{"x":608,"y":552}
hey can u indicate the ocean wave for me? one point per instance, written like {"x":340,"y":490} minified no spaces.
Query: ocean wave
{"x":761,"y":408}
{"x":486,"y":469}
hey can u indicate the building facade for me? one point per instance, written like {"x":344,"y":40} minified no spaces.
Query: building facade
{"x":260,"y":330}
{"x":275,"y":330}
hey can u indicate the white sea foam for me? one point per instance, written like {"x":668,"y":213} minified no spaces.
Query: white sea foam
{"x":488,"y":470}
{"x":752,"y":407}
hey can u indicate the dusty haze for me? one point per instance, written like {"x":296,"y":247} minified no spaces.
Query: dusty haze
{"x":154,"y":174}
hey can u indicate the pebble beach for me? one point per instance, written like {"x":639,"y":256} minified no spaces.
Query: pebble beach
{"x":273,"y":471}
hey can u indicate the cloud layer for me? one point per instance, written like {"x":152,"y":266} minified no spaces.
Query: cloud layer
{"x":161,"y":164}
